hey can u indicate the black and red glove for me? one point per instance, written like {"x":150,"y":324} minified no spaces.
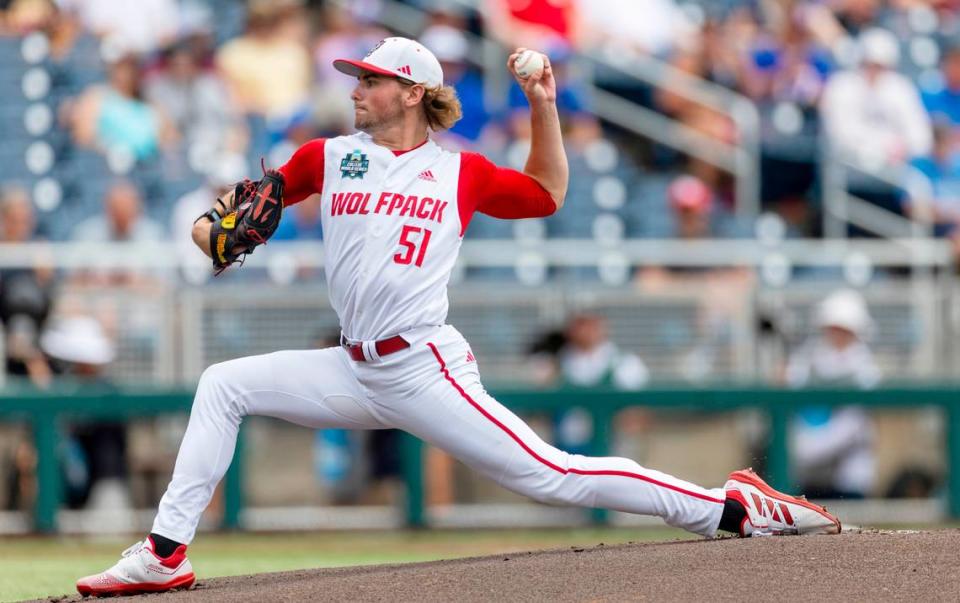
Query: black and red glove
{"x":256,"y":210}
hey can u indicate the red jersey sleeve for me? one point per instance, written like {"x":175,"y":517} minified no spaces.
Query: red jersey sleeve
{"x":303,"y":174}
{"x":499,"y":192}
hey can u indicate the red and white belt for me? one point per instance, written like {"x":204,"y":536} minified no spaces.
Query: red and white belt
{"x":367,"y":351}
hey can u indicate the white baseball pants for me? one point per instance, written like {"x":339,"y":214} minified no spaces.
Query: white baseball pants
{"x":432,"y":390}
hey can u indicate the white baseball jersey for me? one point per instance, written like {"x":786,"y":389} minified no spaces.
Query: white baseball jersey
{"x":393,"y":224}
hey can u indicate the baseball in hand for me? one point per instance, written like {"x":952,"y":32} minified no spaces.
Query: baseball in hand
{"x":528,"y":63}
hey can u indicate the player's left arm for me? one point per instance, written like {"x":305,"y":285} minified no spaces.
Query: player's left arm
{"x":300,"y":177}
{"x":547,"y":162}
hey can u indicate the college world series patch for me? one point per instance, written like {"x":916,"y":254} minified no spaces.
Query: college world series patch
{"x":354,"y":165}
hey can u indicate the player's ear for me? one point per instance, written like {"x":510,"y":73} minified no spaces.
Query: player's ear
{"x":413,"y":94}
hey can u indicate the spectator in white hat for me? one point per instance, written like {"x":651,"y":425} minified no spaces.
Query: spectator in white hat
{"x":82,"y":351}
{"x":872,"y":112}
{"x":831,"y":448}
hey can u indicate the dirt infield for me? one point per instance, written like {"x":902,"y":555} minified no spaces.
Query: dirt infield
{"x":871,"y":565}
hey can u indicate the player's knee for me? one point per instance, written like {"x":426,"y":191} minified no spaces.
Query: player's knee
{"x":551,"y":495}
{"x":214,"y":376}
{"x":216,"y":386}
{"x":547,"y":488}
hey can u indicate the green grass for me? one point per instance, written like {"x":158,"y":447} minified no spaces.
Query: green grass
{"x":39,"y":567}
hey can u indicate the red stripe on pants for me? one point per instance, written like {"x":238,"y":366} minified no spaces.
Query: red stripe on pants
{"x":557,"y":468}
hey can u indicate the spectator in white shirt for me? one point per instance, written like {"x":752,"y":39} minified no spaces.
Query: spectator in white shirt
{"x":142,"y":26}
{"x":831,"y":448}
{"x":590,"y":359}
{"x":122,"y":221}
{"x":873,"y":113}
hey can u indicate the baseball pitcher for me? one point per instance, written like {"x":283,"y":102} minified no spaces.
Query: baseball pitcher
{"x":395,"y":209}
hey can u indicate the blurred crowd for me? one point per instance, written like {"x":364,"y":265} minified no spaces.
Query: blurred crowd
{"x":833,"y":450}
{"x":169,"y":92}
{"x":125,"y":119}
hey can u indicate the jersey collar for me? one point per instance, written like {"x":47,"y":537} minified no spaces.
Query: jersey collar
{"x":399,"y":153}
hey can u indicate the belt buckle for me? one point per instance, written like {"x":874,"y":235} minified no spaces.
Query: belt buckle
{"x":353,"y":348}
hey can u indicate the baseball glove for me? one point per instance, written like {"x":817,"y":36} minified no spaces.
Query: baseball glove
{"x":252,"y":218}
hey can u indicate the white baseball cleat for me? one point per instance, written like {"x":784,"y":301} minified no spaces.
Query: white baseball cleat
{"x":140,"y":570}
{"x":772,"y":513}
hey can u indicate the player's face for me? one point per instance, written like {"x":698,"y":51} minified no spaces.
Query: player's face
{"x":377,"y":102}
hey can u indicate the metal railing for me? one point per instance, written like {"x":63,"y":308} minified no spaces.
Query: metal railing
{"x":842,"y":209}
{"x":171,"y":332}
{"x":46,"y":412}
{"x":741,"y":159}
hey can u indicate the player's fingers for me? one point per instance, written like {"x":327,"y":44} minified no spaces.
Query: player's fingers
{"x":513,"y":57}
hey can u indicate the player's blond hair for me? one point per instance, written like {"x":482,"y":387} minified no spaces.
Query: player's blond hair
{"x":442,"y":107}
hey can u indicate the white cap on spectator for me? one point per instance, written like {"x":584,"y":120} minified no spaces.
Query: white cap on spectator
{"x":879,"y":47}
{"x":447,"y":43}
{"x":78,"y":339}
{"x":397,"y":57}
{"x":845,"y":309}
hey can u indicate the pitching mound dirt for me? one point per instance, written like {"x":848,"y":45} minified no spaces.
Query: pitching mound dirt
{"x":867,"y":566}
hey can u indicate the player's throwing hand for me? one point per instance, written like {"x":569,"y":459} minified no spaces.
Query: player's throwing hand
{"x":539,"y":87}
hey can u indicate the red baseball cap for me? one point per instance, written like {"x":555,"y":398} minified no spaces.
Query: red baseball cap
{"x":397,"y":57}
{"x":690,"y":193}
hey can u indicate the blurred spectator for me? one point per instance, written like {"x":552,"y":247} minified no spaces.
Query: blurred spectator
{"x":197,"y":102}
{"x":267,"y":71}
{"x":224,"y":173}
{"x":785,"y":73}
{"x":832,"y":447}
{"x":590,"y":359}
{"x":536,"y":24}
{"x":18,"y":17}
{"x":692,"y":204}
{"x":142,"y":26}
{"x":544,"y":357}
{"x":722,"y":291}
{"x":95,"y":463}
{"x":873,"y":113}
{"x":122,"y":221}
{"x":714,"y":59}
{"x":26,"y":294}
{"x":451,"y":48}
{"x":857,"y":16}
{"x":943,"y":101}
{"x":634,"y":26}
{"x":694,"y":213}
{"x":873,"y":117}
{"x":785,"y":64}
{"x":345,"y":31}
{"x":63,"y":29}
{"x":301,"y":222}
{"x":940,"y":203}
{"x":114,"y":117}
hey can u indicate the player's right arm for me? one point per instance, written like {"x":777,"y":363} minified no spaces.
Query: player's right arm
{"x":303,"y":176}
{"x":547,"y":162}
